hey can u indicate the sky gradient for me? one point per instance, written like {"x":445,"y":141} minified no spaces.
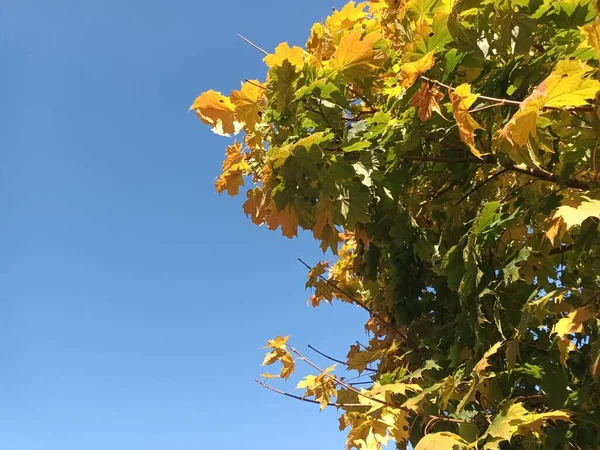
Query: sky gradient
{"x":135,"y":298}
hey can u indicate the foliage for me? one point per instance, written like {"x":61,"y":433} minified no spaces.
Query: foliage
{"x":445,"y":152}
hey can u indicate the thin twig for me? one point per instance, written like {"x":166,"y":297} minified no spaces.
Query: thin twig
{"x":254,"y":84}
{"x":482,"y":97}
{"x":594,"y":158}
{"x":253,"y":44}
{"x":297,"y":397}
{"x":333,"y":359}
{"x":374,"y":399}
{"x":363,"y":98}
{"x":361,"y":304}
{"x":511,"y":166}
{"x":487,"y":180}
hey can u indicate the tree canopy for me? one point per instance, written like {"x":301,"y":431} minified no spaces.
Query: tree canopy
{"x":445,"y":152}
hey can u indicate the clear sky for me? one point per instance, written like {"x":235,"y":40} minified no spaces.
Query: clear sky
{"x":133,"y":298}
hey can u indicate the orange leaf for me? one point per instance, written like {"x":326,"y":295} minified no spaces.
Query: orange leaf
{"x":287,"y":219}
{"x":235,"y":167}
{"x":216,"y":110}
{"x":427,"y":100}
{"x":462,"y":99}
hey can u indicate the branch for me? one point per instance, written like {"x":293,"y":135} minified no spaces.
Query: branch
{"x":363,"y":98}
{"x":297,"y":397}
{"x":376,"y":400}
{"x":478,"y":185}
{"x":333,"y":359}
{"x":511,"y":166}
{"x":504,"y":101}
{"x":361,"y":304}
{"x":253,"y":44}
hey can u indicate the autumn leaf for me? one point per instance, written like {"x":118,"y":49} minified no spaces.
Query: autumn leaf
{"x":591,"y":36}
{"x":283,"y":52}
{"x":410,"y":71}
{"x":571,"y":213}
{"x":566,"y":87}
{"x":322,"y":387}
{"x":355,"y":56}
{"x":515,"y":419}
{"x":279,"y":353}
{"x":216,"y":110}
{"x":441,"y":440}
{"x":427,"y":100}
{"x":286,"y":218}
{"x":462,"y":99}
{"x":235,"y":167}
{"x":573,"y":323}
{"x":346,"y":18}
{"x":249,"y":102}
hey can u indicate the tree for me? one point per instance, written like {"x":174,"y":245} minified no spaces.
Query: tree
{"x":446,"y":153}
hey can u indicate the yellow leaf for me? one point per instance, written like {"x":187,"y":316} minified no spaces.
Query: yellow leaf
{"x":255,"y":206}
{"x":283,"y":52}
{"x":216,"y":110}
{"x":444,"y":440}
{"x":279,"y":354}
{"x":322,"y":387}
{"x":347,"y":17}
{"x":483,"y":363}
{"x":566,"y":87}
{"x":462,"y":99}
{"x":410,"y":71}
{"x":397,"y":423}
{"x":515,"y":419}
{"x":591,"y":35}
{"x":359,"y":360}
{"x":565,"y":346}
{"x":427,"y":100}
{"x":574,"y":212}
{"x":235,"y":167}
{"x":355,"y":57}
{"x":573,"y":323}
{"x":249,"y":102}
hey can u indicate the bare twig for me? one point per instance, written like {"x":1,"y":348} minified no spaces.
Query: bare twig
{"x":594,"y":159}
{"x":333,"y":359}
{"x":511,"y":166}
{"x":254,"y":84}
{"x":252,"y":44}
{"x":487,"y":180}
{"x":504,"y":101}
{"x":363,"y":98}
{"x":374,"y":399}
{"x":308,"y":400}
{"x":361,"y":304}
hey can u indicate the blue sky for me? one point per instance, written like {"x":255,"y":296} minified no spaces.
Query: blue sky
{"x":133,"y":298}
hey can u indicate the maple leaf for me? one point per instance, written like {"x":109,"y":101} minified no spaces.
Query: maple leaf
{"x":462,"y":99}
{"x":573,"y":323}
{"x":442,"y":440}
{"x":367,"y":432}
{"x":572,"y":212}
{"x":283,"y":52}
{"x":410,"y":71}
{"x":287,"y":218}
{"x":515,"y":419}
{"x":322,"y":387}
{"x":355,"y":56}
{"x":216,"y":110}
{"x":249,"y":102}
{"x":427,"y":100}
{"x":324,"y":227}
{"x":591,"y":36}
{"x":566,"y":87}
{"x":346,"y":18}
{"x":279,"y":354}
{"x":235,"y":167}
